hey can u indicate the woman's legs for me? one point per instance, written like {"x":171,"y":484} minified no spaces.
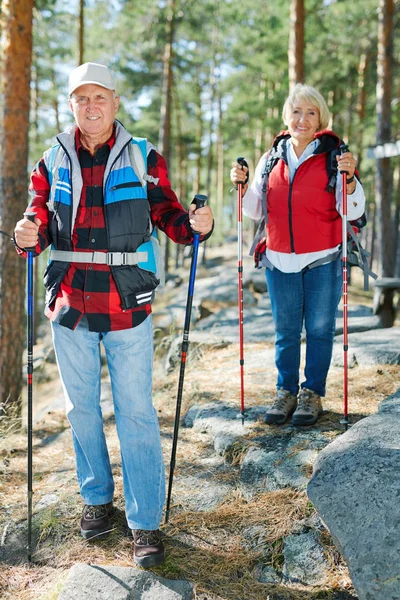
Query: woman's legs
{"x":322,"y":292}
{"x":286,"y":295}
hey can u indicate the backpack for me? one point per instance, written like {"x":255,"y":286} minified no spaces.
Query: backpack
{"x":356,"y":254}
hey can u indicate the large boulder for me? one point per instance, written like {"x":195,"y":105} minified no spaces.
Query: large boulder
{"x":355,"y":488}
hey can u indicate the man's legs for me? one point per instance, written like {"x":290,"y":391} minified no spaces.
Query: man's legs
{"x":78,"y":358}
{"x":130,"y":361}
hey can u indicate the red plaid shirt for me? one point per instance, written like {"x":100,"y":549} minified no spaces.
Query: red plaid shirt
{"x":90,"y":289}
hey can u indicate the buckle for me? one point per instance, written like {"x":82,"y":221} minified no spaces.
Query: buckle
{"x":116,"y":259}
{"x":113,"y":258}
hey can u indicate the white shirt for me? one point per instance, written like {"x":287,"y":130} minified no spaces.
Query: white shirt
{"x":292,"y":262}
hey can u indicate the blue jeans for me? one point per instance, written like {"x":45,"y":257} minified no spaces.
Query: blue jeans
{"x":130,"y":361}
{"x":310,"y":297}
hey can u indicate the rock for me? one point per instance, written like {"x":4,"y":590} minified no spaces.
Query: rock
{"x":121,"y":583}
{"x":376,"y":347}
{"x":355,"y":488}
{"x":305,"y":560}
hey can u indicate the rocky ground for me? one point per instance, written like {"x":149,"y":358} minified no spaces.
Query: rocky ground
{"x":241,"y":526}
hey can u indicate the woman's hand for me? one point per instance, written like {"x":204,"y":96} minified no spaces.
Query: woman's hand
{"x":347,"y":163}
{"x":238,"y":174}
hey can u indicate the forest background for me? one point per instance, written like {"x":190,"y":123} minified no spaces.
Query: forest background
{"x":205,"y":81}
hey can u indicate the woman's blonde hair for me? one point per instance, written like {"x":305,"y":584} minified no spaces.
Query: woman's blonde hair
{"x":302,"y":92}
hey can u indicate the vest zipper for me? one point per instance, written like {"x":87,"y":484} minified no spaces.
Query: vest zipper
{"x":292,"y":248}
{"x":125,"y":147}
{"x":290,"y":216}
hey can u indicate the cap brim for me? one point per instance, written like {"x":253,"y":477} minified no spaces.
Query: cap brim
{"x":94,"y":83}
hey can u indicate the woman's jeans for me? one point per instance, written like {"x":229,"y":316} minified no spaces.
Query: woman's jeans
{"x":310,"y":297}
{"x":130,"y":361}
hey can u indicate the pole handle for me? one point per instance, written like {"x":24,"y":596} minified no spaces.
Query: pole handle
{"x":199,"y":200}
{"x":343,"y":148}
{"x":30,"y":215}
{"x":243,"y":163}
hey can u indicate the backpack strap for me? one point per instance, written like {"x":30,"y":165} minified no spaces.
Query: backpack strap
{"x":137,"y":150}
{"x":360,"y":259}
{"x":331,"y":168}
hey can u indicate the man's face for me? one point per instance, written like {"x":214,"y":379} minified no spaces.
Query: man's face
{"x":94,"y":109}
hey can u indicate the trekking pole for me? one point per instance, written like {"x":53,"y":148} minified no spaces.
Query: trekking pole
{"x":242,"y":414}
{"x":31,"y":217}
{"x":200,"y":201}
{"x":345,"y":421}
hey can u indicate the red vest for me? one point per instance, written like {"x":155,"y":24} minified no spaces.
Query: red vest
{"x":302,"y":217}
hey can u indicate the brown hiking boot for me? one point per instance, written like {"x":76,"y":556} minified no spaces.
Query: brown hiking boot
{"x":309,"y":408}
{"x":148,"y":548}
{"x":95,"y":521}
{"x":283,"y":406}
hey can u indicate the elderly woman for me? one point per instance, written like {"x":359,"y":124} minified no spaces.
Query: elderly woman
{"x":302,"y":211}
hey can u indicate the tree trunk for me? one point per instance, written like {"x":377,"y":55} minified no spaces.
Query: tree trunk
{"x":164,"y":142}
{"x":296,"y":43}
{"x":16,"y":26}
{"x":383,"y":171}
{"x":361,"y":104}
{"x":81,"y":33}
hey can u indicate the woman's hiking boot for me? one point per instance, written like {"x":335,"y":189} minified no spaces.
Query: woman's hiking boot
{"x":148,"y":548}
{"x":95,"y":521}
{"x":309,"y":408}
{"x":284,"y":405}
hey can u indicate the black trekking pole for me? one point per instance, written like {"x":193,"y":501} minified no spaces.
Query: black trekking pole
{"x":242,"y":414}
{"x":345,"y":421}
{"x":31,"y":217}
{"x":200,"y":201}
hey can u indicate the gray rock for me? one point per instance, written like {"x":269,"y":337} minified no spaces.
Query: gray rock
{"x":380,"y":346}
{"x":355,"y":488}
{"x":267,"y":574}
{"x":305,"y":560}
{"x":275,"y":470}
{"x":98,"y":582}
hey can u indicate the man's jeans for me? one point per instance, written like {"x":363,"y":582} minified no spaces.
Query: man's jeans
{"x":130,"y":360}
{"x":310,"y":297}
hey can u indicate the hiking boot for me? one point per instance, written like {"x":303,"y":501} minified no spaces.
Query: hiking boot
{"x":283,"y":406}
{"x":148,"y":548}
{"x":95,"y":521}
{"x":309,"y":408}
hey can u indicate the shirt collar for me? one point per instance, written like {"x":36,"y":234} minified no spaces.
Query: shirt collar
{"x":79,"y":145}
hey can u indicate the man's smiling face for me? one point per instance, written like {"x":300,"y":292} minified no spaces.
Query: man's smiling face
{"x":94,"y":108}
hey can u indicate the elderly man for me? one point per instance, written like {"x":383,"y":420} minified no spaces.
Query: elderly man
{"x":97,"y":195}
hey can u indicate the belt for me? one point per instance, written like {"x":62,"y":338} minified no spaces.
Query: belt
{"x":100,"y":258}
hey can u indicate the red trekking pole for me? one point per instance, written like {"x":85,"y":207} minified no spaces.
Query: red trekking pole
{"x":345,"y":421}
{"x":243,"y":163}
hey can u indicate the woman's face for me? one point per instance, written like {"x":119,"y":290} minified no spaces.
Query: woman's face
{"x":303,"y":122}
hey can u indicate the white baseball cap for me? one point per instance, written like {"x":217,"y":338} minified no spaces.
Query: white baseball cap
{"x":91,"y":73}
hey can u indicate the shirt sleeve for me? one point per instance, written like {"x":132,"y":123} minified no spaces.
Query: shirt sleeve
{"x":39,"y":191}
{"x":252,"y":199}
{"x":167,"y":213}
{"x":355,"y":201}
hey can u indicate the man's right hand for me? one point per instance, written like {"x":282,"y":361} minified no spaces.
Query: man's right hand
{"x":26,"y":233}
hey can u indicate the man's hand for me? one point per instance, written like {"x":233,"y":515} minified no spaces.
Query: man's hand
{"x":26,"y":233}
{"x":201,"y":219}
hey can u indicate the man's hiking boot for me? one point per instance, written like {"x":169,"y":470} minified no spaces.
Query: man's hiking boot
{"x":95,"y":521}
{"x":309,"y":408}
{"x":148,"y":548}
{"x":283,"y":406}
